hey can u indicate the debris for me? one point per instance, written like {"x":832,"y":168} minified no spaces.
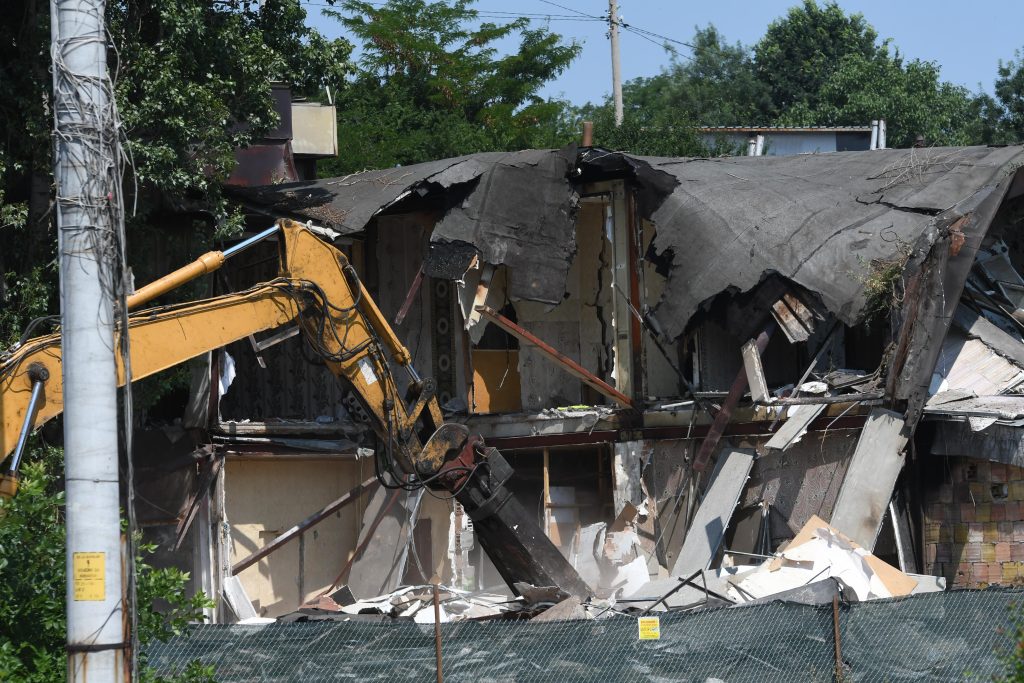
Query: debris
{"x":535,"y":595}
{"x":378,"y":566}
{"x":560,"y":359}
{"x":237,"y":600}
{"x":570,"y":609}
{"x":820,"y":551}
{"x":708,"y":528}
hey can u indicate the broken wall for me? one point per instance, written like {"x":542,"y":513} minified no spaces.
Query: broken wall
{"x":264,"y":497}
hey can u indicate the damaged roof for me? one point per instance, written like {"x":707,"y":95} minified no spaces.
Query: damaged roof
{"x":515,"y":208}
{"x":827,"y":222}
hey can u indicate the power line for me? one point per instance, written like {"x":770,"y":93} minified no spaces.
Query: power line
{"x":495,"y":14}
{"x":574,"y":11}
{"x":576,"y":15}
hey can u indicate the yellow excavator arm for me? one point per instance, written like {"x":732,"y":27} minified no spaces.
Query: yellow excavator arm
{"x":320,"y":291}
{"x":317,"y":288}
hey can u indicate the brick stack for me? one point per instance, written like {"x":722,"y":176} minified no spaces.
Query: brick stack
{"x":974,"y":525}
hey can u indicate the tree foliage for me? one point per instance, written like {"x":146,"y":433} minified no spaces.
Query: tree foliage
{"x":1009,"y":89}
{"x":193,"y":83}
{"x":799,"y":52}
{"x":32,"y":583}
{"x":911,"y":97}
{"x":432,"y":84}
{"x":816,"y":66}
{"x":718,"y":86}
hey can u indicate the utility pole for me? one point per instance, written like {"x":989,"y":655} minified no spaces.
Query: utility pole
{"x":87,"y":181}
{"x":613,"y":33}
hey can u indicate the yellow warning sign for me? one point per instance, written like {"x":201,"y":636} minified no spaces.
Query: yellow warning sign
{"x":89,"y":574}
{"x":650,"y":628}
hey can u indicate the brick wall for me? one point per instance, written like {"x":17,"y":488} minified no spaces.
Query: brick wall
{"x":974,"y":524}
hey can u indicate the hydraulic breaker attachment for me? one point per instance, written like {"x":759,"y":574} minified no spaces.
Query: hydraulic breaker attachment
{"x":477,"y":475}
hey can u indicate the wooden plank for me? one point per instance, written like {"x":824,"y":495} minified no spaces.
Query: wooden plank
{"x":794,"y":427}
{"x":871,"y":477}
{"x":755,"y":373}
{"x":707,"y":531}
{"x":563,"y":361}
{"x":410,"y":297}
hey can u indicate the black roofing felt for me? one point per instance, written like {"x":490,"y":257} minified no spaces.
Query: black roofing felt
{"x":820,"y":220}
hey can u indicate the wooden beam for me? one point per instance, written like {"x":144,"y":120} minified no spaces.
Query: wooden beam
{"x":563,"y":361}
{"x":305,"y":524}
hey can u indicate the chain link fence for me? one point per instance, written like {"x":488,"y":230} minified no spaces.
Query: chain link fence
{"x":952,"y":636}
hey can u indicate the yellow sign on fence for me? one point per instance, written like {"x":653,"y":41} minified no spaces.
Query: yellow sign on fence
{"x":89,"y":575}
{"x":650,"y":628}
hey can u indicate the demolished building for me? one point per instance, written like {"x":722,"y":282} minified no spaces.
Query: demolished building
{"x":685,"y":361}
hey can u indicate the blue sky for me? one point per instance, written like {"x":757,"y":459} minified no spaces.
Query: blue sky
{"x":967,"y":39}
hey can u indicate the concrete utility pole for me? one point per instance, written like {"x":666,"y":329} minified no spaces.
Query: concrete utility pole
{"x":613,"y":33}
{"x":86,"y":173}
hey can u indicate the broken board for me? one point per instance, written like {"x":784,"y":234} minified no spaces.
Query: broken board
{"x":867,"y":488}
{"x":380,"y":567}
{"x":795,"y":426}
{"x":709,"y":524}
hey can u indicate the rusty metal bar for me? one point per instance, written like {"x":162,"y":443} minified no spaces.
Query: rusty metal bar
{"x":437,"y":633}
{"x":717,"y":430}
{"x":410,"y":297}
{"x":566,"y":363}
{"x":835,"y":637}
{"x":305,"y":524}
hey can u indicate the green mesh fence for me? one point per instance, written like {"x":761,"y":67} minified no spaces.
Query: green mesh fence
{"x":934,"y":637}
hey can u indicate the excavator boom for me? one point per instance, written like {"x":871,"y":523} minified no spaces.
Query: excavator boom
{"x":318,"y":290}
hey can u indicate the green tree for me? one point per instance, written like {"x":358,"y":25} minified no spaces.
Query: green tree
{"x":431,"y":84}
{"x":909,"y":96}
{"x":800,"y":51}
{"x":194,"y":84}
{"x":32,"y":583}
{"x":1009,"y":89}
{"x":717,"y":86}
{"x":652,"y":131}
